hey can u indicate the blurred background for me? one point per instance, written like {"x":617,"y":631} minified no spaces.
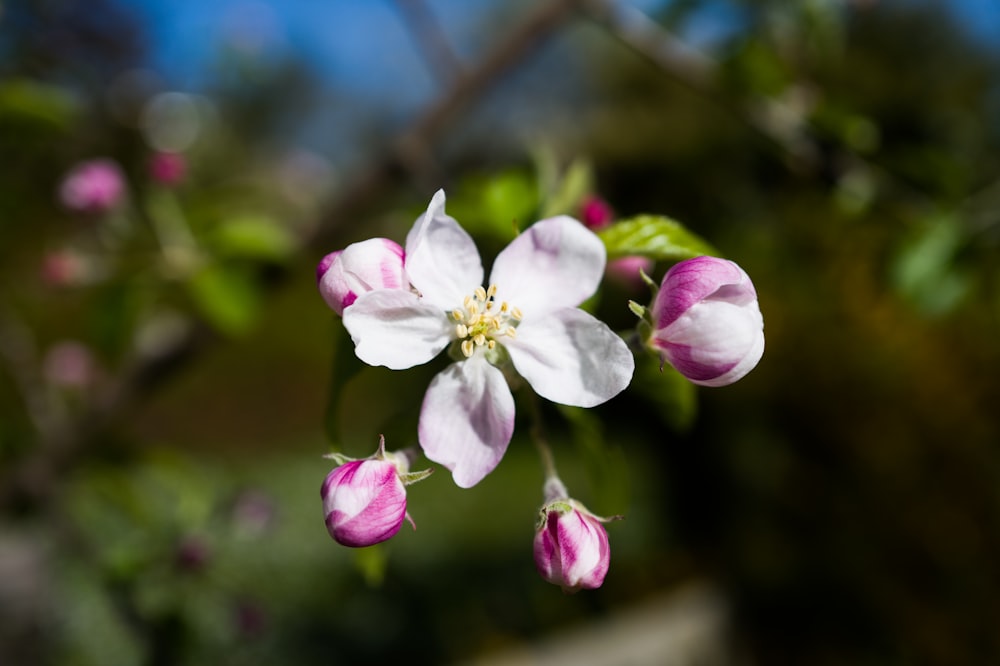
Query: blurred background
{"x":170,"y":378}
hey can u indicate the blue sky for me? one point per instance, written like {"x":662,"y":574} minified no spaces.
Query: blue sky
{"x":363,"y":42}
{"x":363,"y":47}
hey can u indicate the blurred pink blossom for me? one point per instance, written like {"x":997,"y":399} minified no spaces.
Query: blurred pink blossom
{"x":167,"y":169}
{"x":70,"y":364}
{"x":63,"y":268}
{"x":94,"y":186}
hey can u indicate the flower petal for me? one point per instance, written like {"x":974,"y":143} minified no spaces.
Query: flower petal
{"x":376,"y":263}
{"x":395,"y":328}
{"x":698,"y":279}
{"x":441,"y":258}
{"x":571,"y":358}
{"x":554,"y":263}
{"x":714,"y":343}
{"x":467,"y":419}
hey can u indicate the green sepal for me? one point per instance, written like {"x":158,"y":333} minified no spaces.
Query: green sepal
{"x":409,"y":478}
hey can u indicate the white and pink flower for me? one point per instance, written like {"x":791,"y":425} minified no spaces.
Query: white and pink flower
{"x":403,"y":308}
{"x":707,"y":322}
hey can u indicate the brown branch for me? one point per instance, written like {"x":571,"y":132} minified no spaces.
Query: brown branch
{"x":430,"y":40}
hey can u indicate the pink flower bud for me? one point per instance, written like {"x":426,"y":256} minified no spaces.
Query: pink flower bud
{"x":571,"y":546}
{"x":167,"y":169}
{"x":376,"y":263}
{"x":70,"y":365}
{"x":707,"y":321}
{"x":95,"y":186}
{"x":595,"y":213}
{"x":63,"y":268}
{"x":626,"y":270}
{"x":364,"y":501}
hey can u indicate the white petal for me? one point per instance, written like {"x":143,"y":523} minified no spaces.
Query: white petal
{"x":571,"y":358}
{"x":555,"y":263}
{"x":467,"y":419}
{"x":395,"y":328}
{"x":441,"y":258}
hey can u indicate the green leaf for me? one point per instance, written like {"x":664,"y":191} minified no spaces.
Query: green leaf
{"x":38,"y":102}
{"x":496,"y":206}
{"x":569,"y":192}
{"x":654,"y":236}
{"x":254,"y":237}
{"x":227,"y":297}
{"x":926,"y":270}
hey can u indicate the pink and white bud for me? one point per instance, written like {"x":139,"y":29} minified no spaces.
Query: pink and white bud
{"x":364,"y":502}
{"x":344,"y":275}
{"x":167,"y":169}
{"x":95,"y":186}
{"x":707,"y":322}
{"x":571,"y":545}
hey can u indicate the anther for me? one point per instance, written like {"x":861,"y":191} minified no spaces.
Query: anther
{"x":467,"y":348}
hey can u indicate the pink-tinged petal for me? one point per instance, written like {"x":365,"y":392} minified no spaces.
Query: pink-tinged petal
{"x":395,"y":328}
{"x":467,"y":419}
{"x":364,"y":502}
{"x":441,"y":258}
{"x":376,"y":263}
{"x":714,"y":343}
{"x":571,"y":548}
{"x":571,"y":358}
{"x":698,"y":279}
{"x":554,"y":263}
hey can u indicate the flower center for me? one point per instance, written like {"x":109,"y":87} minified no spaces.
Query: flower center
{"x":481,"y":320}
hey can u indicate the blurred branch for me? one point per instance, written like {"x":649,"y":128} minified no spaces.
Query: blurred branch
{"x":780,"y":121}
{"x":442,"y":62}
{"x":410,"y":154}
{"x":35,"y":478}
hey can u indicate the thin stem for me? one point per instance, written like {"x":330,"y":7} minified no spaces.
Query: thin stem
{"x":554,"y":488}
